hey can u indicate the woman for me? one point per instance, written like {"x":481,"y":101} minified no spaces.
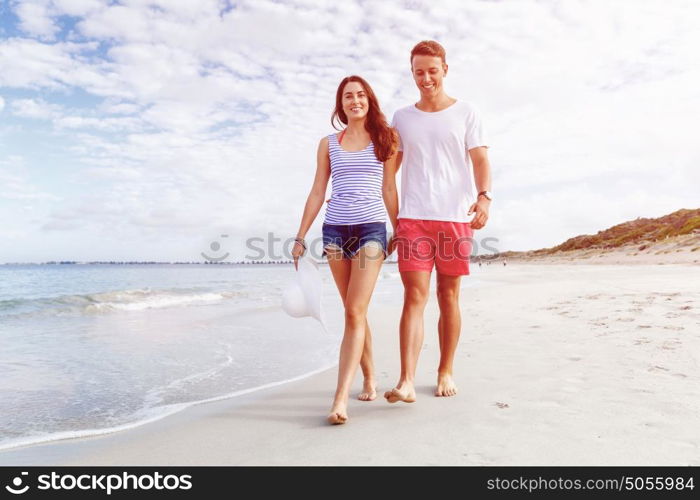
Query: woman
{"x":354,"y":230}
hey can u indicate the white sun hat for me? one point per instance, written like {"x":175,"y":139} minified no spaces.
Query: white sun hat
{"x":302,"y":297}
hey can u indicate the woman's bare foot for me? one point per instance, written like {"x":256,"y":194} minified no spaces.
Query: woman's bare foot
{"x":445,"y":385}
{"x":402,"y":392}
{"x":338,"y":414}
{"x":369,"y":391}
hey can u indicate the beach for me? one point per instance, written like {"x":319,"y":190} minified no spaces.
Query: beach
{"x":682,"y":249}
{"x":557,"y":365}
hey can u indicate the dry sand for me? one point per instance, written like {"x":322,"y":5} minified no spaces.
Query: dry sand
{"x":683,"y":249}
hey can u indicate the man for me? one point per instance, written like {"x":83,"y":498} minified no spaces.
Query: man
{"x":438,"y":137}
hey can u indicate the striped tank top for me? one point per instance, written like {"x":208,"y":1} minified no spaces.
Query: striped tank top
{"x":356,"y":186}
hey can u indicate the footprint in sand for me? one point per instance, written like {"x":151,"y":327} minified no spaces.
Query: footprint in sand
{"x":574,"y":358}
{"x":643,"y":326}
{"x":672,"y":315}
{"x":641,"y":341}
{"x":685,"y":308}
{"x":502,"y":405}
{"x":626,"y":320}
{"x":677,"y":328}
{"x":670,"y":345}
{"x":657,"y":368}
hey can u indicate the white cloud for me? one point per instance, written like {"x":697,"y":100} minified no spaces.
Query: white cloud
{"x":35,"y":18}
{"x":15,"y":184}
{"x":2,"y":104}
{"x":211,"y":118}
{"x":29,"y":63}
{"x":34,"y":108}
{"x":103,"y":124}
{"x":118,"y":107}
{"x":76,"y":8}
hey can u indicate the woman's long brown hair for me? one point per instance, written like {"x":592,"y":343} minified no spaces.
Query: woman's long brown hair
{"x":382,"y":135}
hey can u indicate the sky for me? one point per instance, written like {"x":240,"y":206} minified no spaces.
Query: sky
{"x":164,"y":130}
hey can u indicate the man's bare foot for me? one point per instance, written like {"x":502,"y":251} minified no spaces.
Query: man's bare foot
{"x":369,"y":391}
{"x":403,"y":392}
{"x":338,"y":414}
{"x":445,"y":385}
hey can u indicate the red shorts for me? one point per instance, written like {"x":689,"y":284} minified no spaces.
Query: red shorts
{"x":420,"y":243}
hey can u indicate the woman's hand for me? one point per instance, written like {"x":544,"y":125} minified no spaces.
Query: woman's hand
{"x":297,"y":252}
{"x":391,"y":245}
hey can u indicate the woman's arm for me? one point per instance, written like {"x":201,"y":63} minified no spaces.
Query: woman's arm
{"x":389,"y":191}
{"x":316,"y":197}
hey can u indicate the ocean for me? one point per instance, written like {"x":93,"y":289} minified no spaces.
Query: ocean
{"x":90,"y":349}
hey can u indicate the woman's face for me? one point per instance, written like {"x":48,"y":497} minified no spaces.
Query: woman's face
{"x":355,"y":102}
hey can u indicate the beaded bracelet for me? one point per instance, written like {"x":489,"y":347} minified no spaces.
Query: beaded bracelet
{"x":301,"y":242}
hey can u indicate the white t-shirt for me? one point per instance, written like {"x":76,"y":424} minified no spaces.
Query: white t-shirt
{"x":436,"y":177}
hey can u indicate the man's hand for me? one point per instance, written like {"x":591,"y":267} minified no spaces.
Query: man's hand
{"x":481,"y":207}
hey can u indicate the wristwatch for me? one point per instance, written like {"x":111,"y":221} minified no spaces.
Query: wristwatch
{"x":486,"y":194}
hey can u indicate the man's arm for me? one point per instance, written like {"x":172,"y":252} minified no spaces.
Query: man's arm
{"x":482,"y":180}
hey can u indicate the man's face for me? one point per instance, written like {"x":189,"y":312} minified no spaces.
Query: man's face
{"x":428,"y":72}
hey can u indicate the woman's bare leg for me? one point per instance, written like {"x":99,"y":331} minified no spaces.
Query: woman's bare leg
{"x":364,"y":269}
{"x":340,"y":268}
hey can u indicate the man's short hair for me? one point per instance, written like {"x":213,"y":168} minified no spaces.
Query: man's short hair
{"x":428,"y":48}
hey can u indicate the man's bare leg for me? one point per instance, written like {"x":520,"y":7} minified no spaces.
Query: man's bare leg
{"x":369,"y":385}
{"x":416,"y":288}
{"x":449,"y":327}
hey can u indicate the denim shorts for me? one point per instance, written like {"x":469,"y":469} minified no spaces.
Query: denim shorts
{"x":350,"y":238}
